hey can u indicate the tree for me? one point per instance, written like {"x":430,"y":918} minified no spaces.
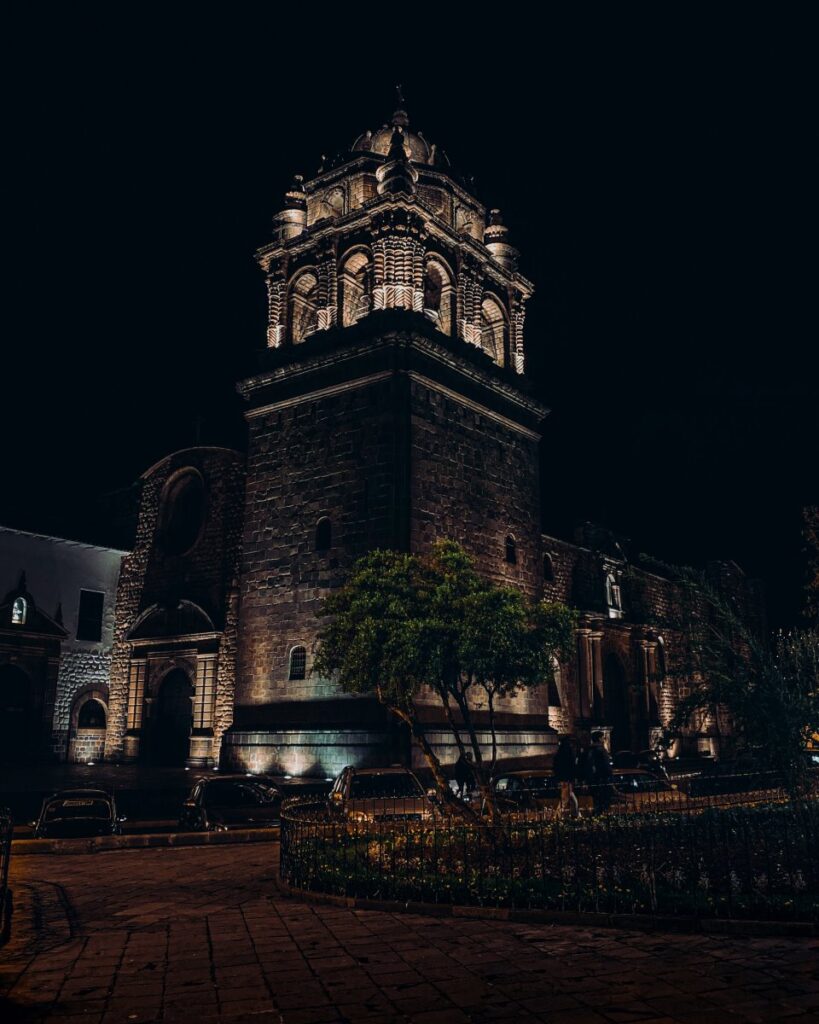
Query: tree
{"x":769,"y":695}
{"x":408,"y":625}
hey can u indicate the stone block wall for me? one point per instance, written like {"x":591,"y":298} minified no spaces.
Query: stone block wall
{"x":475,"y":479}
{"x":87,"y":745}
{"x":334,"y":457}
{"x":206,"y":575}
{"x":81,"y":666}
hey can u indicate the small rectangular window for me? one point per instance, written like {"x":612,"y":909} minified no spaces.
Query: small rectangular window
{"x":89,"y":618}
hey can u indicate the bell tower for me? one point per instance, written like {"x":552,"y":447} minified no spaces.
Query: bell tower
{"x":389,"y":410}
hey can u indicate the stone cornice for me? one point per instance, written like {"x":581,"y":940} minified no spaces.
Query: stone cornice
{"x":359,"y":218}
{"x":432,"y":348}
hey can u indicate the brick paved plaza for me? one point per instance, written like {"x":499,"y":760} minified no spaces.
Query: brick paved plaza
{"x":203,"y":935}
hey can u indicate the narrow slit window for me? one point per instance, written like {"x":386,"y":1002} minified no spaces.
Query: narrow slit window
{"x":324,"y":534}
{"x":511,"y":551}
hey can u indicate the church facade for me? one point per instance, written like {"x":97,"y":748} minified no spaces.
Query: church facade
{"x":389,"y":408}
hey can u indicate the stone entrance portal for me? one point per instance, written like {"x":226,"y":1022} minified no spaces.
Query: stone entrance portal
{"x":617,"y":704}
{"x":172,"y":721}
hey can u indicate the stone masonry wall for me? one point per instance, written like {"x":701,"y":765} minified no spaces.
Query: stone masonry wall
{"x":81,"y":665}
{"x":206,"y":575}
{"x":334,"y":456}
{"x":475,"y":480}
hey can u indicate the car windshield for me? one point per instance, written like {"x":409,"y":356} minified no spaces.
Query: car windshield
{"x":238,"y":794}
{"x":77,"y":807}
{"x":389,"y":785}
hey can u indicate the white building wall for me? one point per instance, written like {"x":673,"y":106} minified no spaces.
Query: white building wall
{"x":56,"y":571}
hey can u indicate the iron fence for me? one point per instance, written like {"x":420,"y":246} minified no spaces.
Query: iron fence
{"x":745,"y":853}
{"x":6,"y":829}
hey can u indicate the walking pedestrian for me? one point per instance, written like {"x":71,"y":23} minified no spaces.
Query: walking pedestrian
{"x":463,"y":775}
{"x":565,"y":769}
{"x":600,"y":762}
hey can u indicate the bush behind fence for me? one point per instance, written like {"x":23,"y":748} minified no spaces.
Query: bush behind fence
{"x":708,"y":859}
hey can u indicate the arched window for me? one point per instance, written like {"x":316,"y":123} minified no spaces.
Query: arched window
{"x":613,"y":597}
{"x":548,"y":569}
{"x":511,"y":550}
{"x":91,"y":716}
{"x":555,"y":685}
{"x":356,"y":283}
{"x":183,"y":512}
{"x":662,"y":664}
{"x":324,"y":534}
{"x":493,"y":329}
{"x":438,"y":296}
{"x":298,"y":663}
{"x":19,"y":611}
{"x":302,"y":306}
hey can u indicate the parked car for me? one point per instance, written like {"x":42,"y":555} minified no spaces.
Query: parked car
{"x":642,"y":790}
{"x":647,"y":760}
{"x":231,"y":801}
{"x":380,"y":794}
{"x":76,"y":814}
{"x":535,"y":789}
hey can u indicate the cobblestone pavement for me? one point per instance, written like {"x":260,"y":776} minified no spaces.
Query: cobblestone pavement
{"x":202,"y":935}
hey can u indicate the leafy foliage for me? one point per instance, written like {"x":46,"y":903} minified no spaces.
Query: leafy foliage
{"x":767,"y":696}
{"x":755,"y":862}
{"x":403,"y":623}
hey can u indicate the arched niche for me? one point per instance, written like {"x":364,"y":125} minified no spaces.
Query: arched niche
{"x":89,"y":718}
{"x":302,"y":305}
{"x":494,"y":328}
{"x":355,"y":285}
{"x":439,"y":294}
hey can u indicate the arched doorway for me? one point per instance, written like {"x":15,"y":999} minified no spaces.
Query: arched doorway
{"x":89,"y":718}
{"x":616,"y":696}
{"x":172,"y":720}
{"x":17,"y":732}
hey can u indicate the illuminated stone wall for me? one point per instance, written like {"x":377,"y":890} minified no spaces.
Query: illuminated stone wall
{"x":205,"y":575}
{"x":331,"y":456}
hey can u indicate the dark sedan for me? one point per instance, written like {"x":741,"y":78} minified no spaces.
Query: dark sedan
{"x":76,"y":814}
{"x":231,"y":801}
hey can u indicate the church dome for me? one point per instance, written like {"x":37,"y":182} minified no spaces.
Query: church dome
{"x":416,"y":146}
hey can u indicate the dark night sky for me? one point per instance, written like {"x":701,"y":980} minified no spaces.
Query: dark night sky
{"x":659,"y":178}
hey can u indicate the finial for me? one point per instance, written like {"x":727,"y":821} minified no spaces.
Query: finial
{"x":397,"y":174}
{"x":58,"y":614}
{"x":295,"y":198}
{"x":397,"y":150}
{"x":21,"y":583}
{"x":400,"y":116}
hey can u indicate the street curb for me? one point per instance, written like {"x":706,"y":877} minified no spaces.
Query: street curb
{"x":154,"y":840}
{"x":632,"y":922}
